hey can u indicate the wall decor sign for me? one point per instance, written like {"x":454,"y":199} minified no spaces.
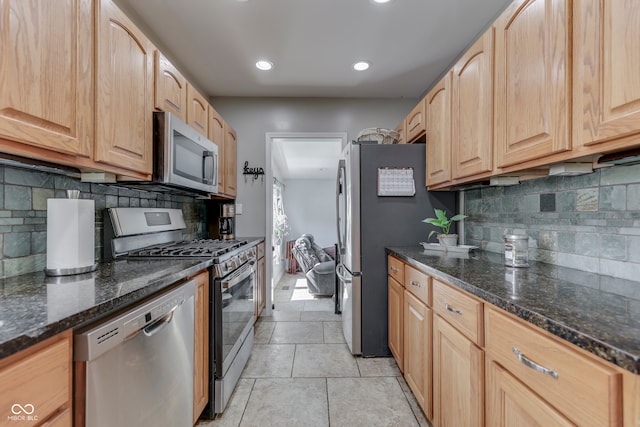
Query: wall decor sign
{"x":253,"y":172}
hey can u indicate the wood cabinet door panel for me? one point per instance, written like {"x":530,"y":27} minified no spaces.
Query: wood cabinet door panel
{"x":230,"y":161}
{"x":216,"y":135}
{"x":415,"y":123}
{"x":170,"y":87}
{"x":458,"y":374}
{"x":197,"y":110}
{"x":533,"y":89}
{"x":201,"y":346}
{"x":606,"y":70}
{"x":124,"y":96}
{"x":511,"y":403}
{"x":472,"y":110}
{"x":41,"y":378}
{"x":417,"y":351}
{"x":438,"y":105}
{"x":395,"y":320}
{"x":46,"y":97}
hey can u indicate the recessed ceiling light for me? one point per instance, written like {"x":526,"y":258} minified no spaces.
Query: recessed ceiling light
{"x":264,"y":65}
{"x":361,"y":66}
{"x":381,"y":1}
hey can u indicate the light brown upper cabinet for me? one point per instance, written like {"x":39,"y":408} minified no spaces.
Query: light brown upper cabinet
{"x":216,"y":134}
{"x":170,"y":87}
{"x":415,"y":123}
{"x":606,"y":74}
{"x":533,"y":87}
{"x":438,"y":106}
{"x":402,"y":130}
{"x":124,"y":103}
{"x":197,"y":110}
{"x":472,"y":110}
{"x":46,"y":98}
{"x":230,"y":160}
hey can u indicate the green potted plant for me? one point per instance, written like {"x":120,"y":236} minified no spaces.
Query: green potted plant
{"x":444,"y":224}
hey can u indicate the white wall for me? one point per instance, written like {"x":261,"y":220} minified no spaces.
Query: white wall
{"x":252,"y":118}
{"x":310,"y":207}
{"x":279,"y":267}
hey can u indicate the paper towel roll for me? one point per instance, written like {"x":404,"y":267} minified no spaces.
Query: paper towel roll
{"x":70,"y":236}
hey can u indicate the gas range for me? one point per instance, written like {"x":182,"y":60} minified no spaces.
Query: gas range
{"x":157,"y":233}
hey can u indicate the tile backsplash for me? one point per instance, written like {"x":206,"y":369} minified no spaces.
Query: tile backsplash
{"x":588,"y":222}
{"x":23,"y":213}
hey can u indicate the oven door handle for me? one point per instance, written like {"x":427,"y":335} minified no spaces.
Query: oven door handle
{"x":242,"y":273}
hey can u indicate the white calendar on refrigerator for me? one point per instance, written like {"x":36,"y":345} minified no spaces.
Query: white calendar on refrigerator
{"x":396,"y":182}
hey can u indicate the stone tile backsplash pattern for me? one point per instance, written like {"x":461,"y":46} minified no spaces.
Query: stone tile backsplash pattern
{"x":588,"y":222}
{"x":23,"y":213}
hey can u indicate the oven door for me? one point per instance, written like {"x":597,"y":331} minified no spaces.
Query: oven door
{"x":233,"y":314}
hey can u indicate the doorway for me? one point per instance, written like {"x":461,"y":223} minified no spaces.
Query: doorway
{"x":302,"y":168}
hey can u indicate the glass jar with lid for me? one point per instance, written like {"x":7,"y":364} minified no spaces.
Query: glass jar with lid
{"x":516,"y":250}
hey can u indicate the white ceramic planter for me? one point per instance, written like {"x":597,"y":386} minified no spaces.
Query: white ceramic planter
{"x":448,"y":239}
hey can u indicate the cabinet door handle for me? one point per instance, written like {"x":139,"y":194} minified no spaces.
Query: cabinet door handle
{"x":533,"y":365}
{"x":394,"y":269}
{"x":452,"y":309}
{"x":414,"y":283}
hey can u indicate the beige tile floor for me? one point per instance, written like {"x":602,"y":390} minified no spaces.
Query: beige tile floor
{"x":301,"y":373}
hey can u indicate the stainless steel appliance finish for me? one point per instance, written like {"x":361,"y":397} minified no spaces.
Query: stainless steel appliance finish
{"x":227,"y":221}
{"x":233,"y":307}
{"x":367,"y":224}
{"x":139,"y":365}
{"x":156,"y":233}
{"x":184,"y":161}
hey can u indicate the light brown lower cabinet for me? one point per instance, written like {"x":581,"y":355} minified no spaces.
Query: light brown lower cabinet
{"x":458,"y":378}
{"x":583,"y":391}
{"x":470,"y":363}
{"x":511,"y":403}
{"x":417,"y":351}
{"x":35,"y":384}
{"x":201,"y":346}
{"x":395,"y":320}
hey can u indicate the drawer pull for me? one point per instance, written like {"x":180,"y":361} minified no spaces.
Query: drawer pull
{"x":453,"y":310}
{"x":533,"y":365}
{"x":394,"y":269}
{"x":414,"y":283}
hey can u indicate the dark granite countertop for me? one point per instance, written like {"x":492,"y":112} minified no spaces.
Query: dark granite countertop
{"x":565,"y":302}
{"x":34,"y":307}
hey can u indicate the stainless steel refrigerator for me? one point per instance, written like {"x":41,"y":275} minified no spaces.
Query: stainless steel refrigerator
{"x":367,"y":223}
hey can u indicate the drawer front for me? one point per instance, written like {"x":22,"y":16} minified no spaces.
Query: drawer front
{"x":460,"y":310}
{"x":585,"y":391}
{"x":395,"y":268}
{"x":418,"y":283}
{"x":41,"y":379}
{"x":260,"y":251}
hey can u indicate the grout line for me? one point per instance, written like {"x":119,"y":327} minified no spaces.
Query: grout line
{"x":326,"y":385}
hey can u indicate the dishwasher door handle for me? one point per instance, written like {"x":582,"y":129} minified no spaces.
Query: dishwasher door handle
{"x":160,"y":324}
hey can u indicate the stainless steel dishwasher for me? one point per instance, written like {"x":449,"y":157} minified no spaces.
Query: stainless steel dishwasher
{"x":138,"y":366}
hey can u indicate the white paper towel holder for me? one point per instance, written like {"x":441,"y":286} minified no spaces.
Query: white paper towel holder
{"x":71,"y":194}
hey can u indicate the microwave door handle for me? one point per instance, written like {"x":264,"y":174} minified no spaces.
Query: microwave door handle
{"x":205,"y":178}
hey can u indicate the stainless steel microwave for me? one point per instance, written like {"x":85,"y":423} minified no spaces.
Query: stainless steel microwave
{"x":183,"y":158}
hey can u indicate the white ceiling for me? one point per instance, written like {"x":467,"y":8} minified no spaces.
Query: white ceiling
{"x":307,"y":158}
{"x":313,"y":43}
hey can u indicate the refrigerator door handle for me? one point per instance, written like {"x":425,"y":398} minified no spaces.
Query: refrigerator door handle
{"x":342,"y":173}
{"x":346,"y":278}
